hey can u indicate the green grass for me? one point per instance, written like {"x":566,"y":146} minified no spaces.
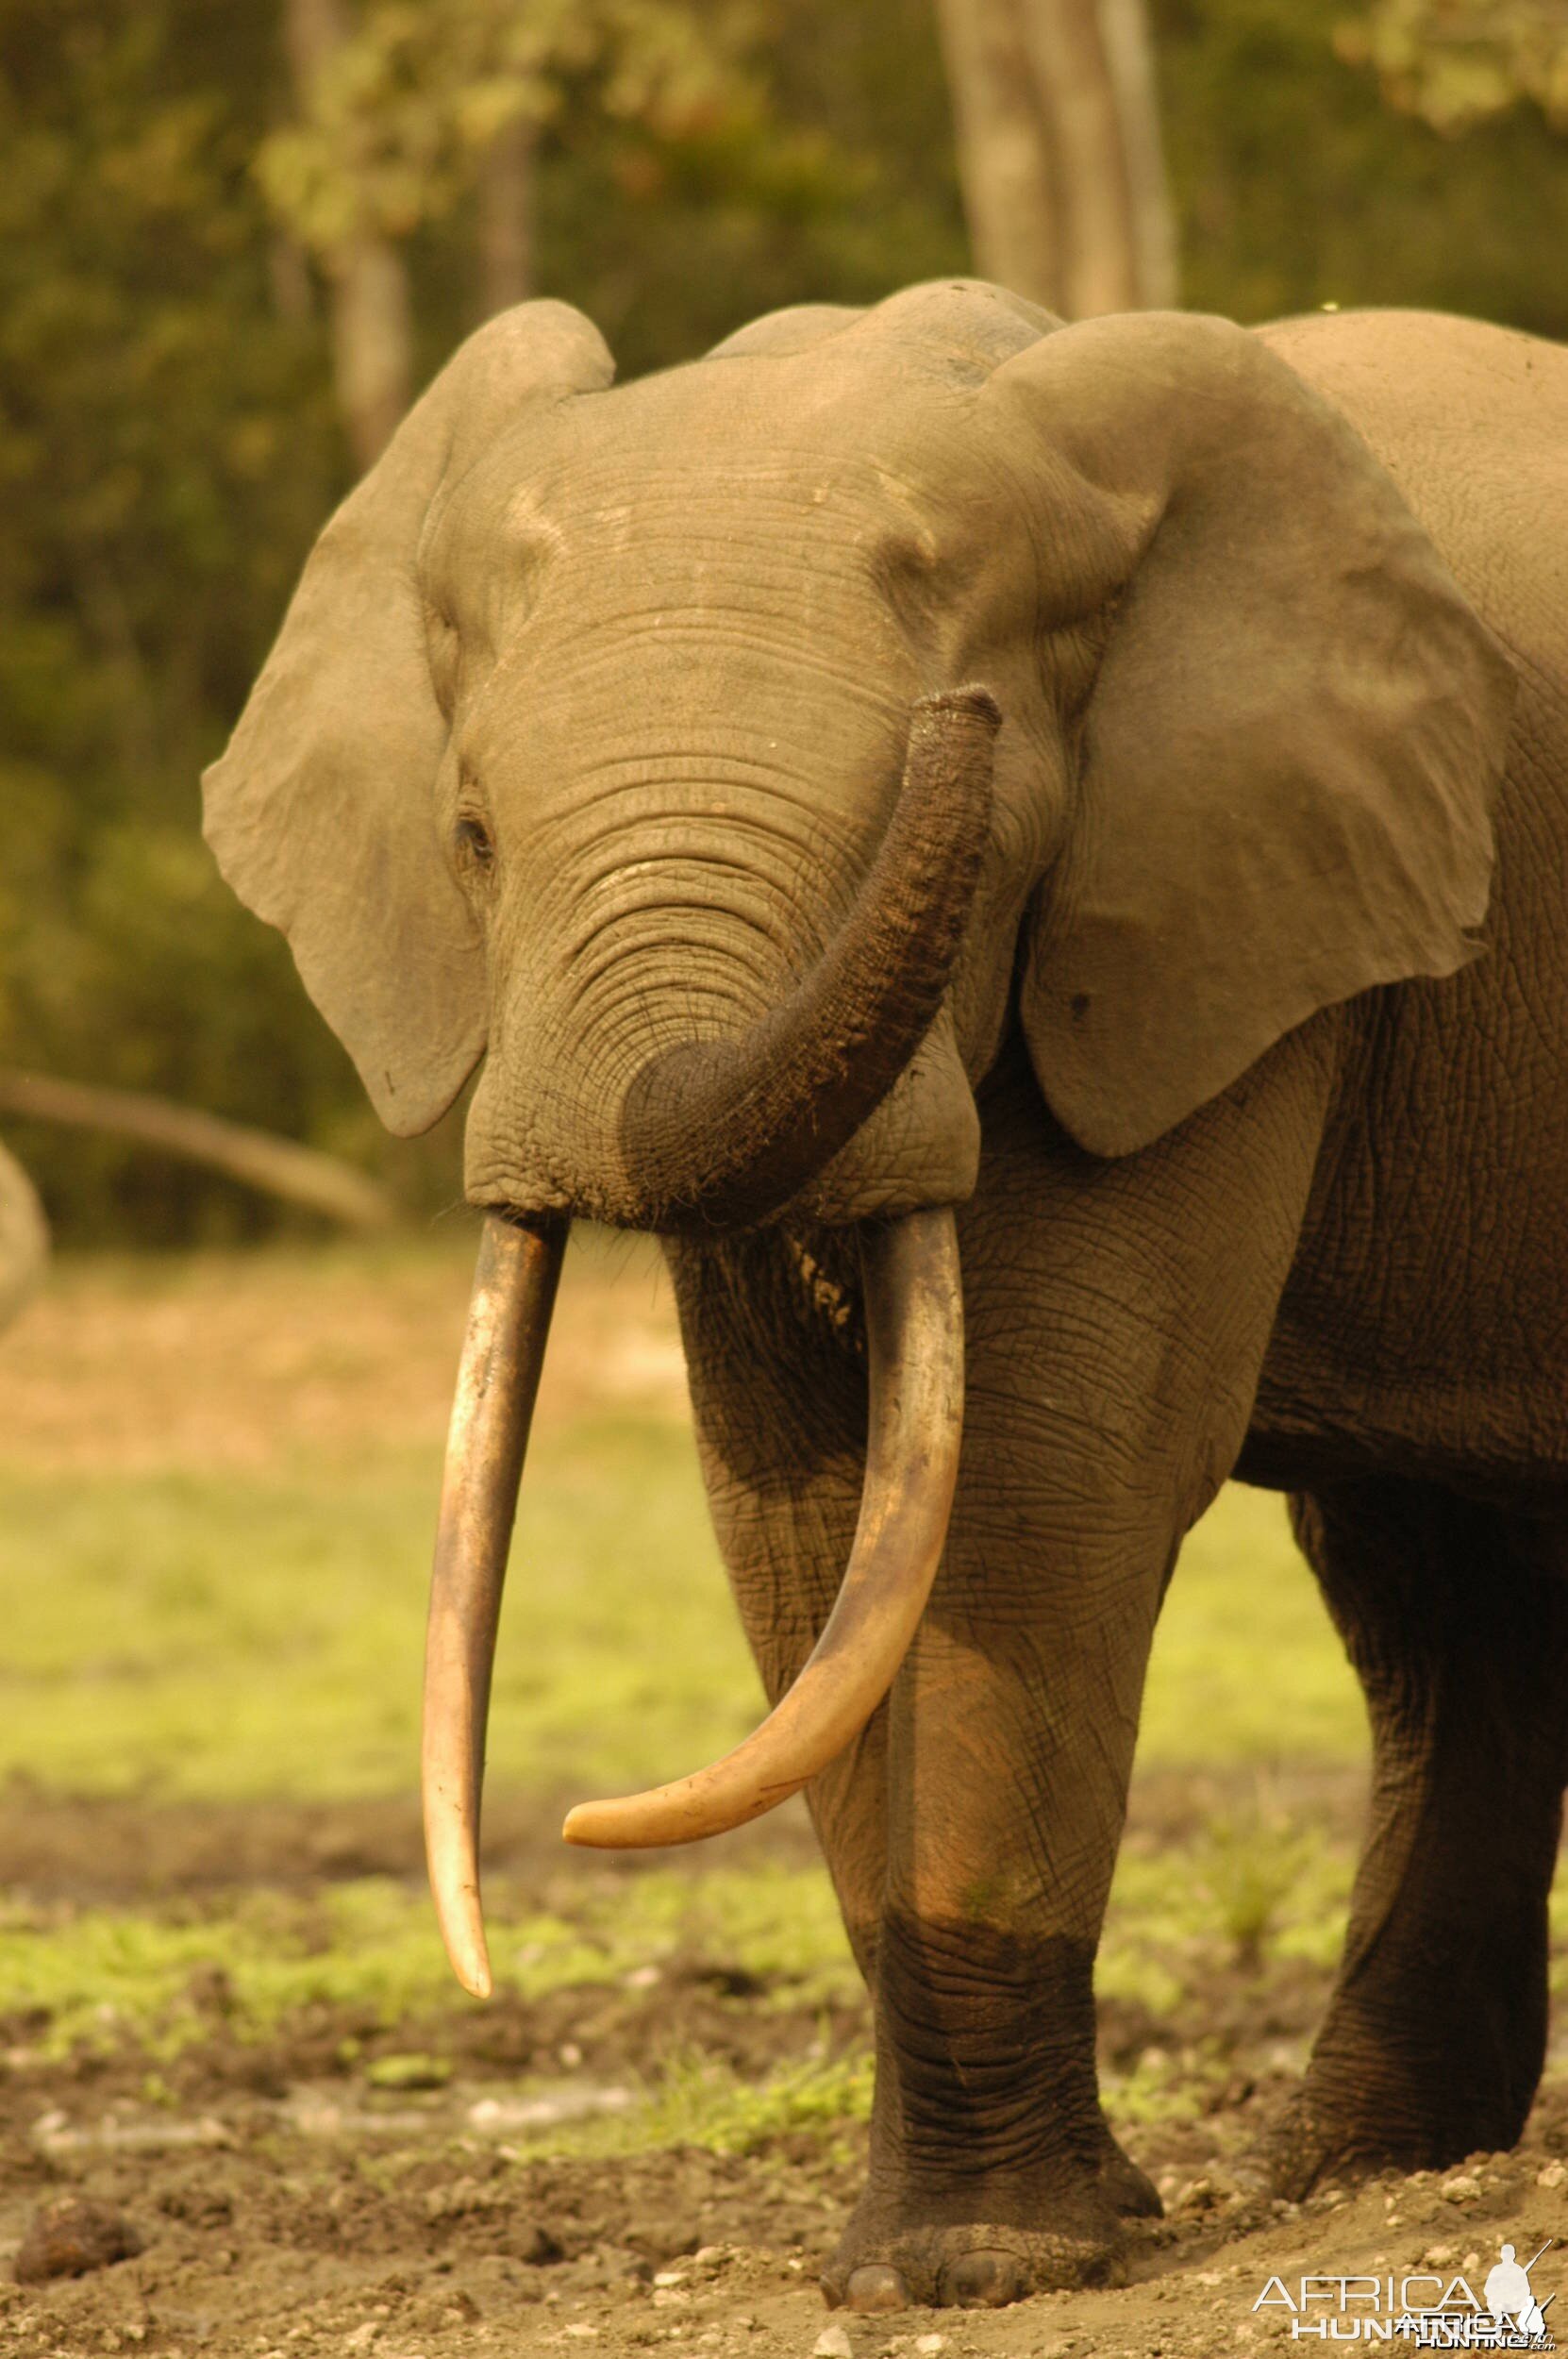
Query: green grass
{"x":259,"y":1634}
{"x":1246,"y":1667}
{"x":240,"y":1636}
{"x":104,"y":1975}
{"x":244,"y":1635}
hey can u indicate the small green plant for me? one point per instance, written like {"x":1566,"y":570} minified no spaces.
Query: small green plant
{"x":1255,"y":1862}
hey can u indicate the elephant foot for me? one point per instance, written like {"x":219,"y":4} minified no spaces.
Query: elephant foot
{"x":1319,"y":2143}
{"x":900,"y":2250}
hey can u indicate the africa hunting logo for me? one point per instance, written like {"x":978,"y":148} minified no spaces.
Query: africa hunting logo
{"x":1506,"y":2316}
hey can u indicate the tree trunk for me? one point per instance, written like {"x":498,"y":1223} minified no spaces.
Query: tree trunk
{"x":506,"y":219}
{"x":278,"y":1166}
{"x":371,"y":341}
{"x":1058,"y":151}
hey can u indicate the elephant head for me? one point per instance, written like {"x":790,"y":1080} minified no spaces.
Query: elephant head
{"x":629,"y":738}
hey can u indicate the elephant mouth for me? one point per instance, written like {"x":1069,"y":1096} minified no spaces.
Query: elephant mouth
{"x":778,"y":1102}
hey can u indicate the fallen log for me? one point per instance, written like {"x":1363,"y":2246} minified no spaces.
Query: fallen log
{"x":301,"y":1175}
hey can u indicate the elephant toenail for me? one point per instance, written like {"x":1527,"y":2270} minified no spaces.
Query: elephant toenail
{"x":983,"y":2281}
{"x":877,"y":2287}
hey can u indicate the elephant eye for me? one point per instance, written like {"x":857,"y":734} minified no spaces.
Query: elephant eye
{"x":475,"y":846}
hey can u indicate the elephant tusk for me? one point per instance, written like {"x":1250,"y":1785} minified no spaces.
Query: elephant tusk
{"x":509,"y":1321}
{"x":914,"y":1326}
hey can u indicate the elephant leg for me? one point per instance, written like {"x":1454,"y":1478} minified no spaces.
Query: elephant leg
{"x":778,"y":1393}
{"x":1011,"y":1726}
{"x":1455,"y":1617}
{"x":1116,"y":1318}
{"x":773,"y":1358}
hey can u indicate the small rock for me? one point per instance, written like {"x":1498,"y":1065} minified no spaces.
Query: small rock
{"x":1438,"y":2254}
{"x":930,"y":2342}
{"x":72,"y":2236}
{"x":832,"y":2343}
{"x":1553,"y":2176}
{"x":1463,"y":2188}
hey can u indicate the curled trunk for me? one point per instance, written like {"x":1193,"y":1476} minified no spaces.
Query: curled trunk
{"x":720,"y":1133}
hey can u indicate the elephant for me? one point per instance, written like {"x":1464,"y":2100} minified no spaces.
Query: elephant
{"x":1031,"y":857}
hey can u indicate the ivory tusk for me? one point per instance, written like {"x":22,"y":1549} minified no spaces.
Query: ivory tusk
{"x":914,"y":1326}
{"x":509,"y":1321}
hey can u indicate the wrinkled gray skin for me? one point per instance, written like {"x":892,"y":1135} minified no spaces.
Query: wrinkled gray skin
{"x":1248,"y":1081}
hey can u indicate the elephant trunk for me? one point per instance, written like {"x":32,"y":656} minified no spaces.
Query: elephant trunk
{"x":721,"y":1133}
{"x":914,"y":1326}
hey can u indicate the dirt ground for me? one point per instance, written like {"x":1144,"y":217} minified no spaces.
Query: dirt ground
{"x":284,"y":2203}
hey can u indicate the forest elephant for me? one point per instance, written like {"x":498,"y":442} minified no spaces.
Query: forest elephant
{"x":931,"y":786}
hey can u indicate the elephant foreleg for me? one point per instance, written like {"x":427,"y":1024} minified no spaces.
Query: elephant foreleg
{"x":993,"y":2173}
{"x":778,"y":1394}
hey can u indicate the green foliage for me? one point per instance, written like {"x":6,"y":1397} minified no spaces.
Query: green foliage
{"x":407,"y":107}
{"x":1460,"y":62}
{"x":1298,"y":186}
{"x":698,"y":2100}
{"x":165,"y":450}
{"x":168,"y":443}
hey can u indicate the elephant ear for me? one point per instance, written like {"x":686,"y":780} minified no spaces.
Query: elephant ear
{"x":322,"y":813}
{"x":1294,"y":732}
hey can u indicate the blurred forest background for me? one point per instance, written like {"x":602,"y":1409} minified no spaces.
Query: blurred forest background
{"x":233,"y":241}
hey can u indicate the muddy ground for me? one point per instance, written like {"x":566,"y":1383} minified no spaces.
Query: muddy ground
{"x":284,"y":2204}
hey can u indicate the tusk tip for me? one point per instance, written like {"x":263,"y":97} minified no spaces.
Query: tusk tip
{"x":468,"y":1955}
{"x":474,"y":1975}
{"x":583,"y":1824}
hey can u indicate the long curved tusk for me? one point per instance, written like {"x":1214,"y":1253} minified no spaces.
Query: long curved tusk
{"x":914,"y":1326}
{"x":509,"y":1321}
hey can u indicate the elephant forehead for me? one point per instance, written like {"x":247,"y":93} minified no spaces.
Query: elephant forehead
{"x":724,"y":455}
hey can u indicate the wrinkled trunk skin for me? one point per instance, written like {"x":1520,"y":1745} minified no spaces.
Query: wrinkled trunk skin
{"x":682,"y":873}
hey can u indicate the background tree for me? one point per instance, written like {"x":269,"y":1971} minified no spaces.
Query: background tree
{"x":1059,"y":151}
{"x":171,"y":436}
{"x":371,"y":337}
